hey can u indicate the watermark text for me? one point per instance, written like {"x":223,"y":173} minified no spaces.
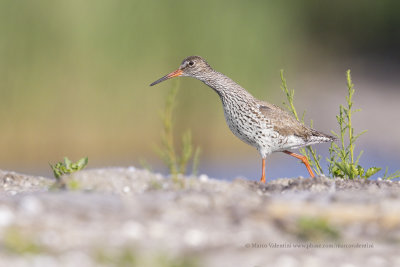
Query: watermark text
{"x":307,"y":245}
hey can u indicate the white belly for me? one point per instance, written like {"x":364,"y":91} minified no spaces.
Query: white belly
{"x":254,"y":129}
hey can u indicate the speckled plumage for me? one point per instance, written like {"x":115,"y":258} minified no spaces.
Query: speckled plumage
{"x":262,"y":125}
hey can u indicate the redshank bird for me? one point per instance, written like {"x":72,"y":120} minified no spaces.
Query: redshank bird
{"x":262,"y":125}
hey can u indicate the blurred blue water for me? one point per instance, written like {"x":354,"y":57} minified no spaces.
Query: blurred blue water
{"x":280,"y":165}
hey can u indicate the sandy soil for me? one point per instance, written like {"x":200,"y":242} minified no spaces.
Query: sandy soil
{"x":132,"y":217}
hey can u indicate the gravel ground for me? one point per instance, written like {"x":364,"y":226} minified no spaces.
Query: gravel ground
{"x":132,"y":217}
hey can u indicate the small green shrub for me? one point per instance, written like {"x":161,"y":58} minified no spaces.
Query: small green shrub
{"x":68,"y":167}
{"x":341,"y":161}
{"x":315,"y":229}
{"x":176,"y":162}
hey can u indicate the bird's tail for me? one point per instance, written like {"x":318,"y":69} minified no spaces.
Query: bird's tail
{"x":320,"y":137}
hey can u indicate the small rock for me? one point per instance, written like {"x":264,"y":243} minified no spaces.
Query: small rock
{"x":8,"y":180}
{"x":203,"y":178}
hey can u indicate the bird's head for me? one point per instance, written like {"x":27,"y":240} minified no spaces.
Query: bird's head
{"x":193,"y":66}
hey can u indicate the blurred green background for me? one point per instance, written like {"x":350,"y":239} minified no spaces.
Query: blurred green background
{"x":75,"y":75}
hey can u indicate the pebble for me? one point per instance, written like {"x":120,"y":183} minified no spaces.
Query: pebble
{"x":131,"y":169}
{"x":203,"y":178}
{"x":8,"y":180}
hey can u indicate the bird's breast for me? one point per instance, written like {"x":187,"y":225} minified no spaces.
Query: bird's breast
{"x":247,"y":123}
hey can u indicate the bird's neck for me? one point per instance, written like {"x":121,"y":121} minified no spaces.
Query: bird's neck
{"x":223,"y":85}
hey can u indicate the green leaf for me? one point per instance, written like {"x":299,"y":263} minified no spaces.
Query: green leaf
{"x":56,"y":171}
{"x":392,"y":175}
{"x":343,"y":166}
{"x":371,"y":171}
{"x":67,"y":163}
{"x":354,"y":171}
{"x":82,"y":163}
{"x":358,"y":135}
{"x":337,"y":172}
{"x":360,"y":171}
{"x":359,"y":156}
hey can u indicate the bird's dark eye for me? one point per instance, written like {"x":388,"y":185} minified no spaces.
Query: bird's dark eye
{"x":191,"y":63}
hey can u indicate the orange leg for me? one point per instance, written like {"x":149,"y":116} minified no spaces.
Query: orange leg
{"x":263,"y":172}
{"x":303,"y":159}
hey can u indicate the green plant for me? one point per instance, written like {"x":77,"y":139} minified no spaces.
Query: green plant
{"x":126,"y":256}
{"x":315,"y":228}
{"x":72,"y":184}
{"x":391,"y":176}
{"x":196,"y":159}
{"x":155,"y":185}
{"x":342,"y":161}
{"x":308,"y":151}
{"x":14,"y":240}
{"x":176,"y":162}
{"x":68,"y":167}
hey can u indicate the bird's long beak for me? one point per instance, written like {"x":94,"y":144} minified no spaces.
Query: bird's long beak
{"x":176,"y":73}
